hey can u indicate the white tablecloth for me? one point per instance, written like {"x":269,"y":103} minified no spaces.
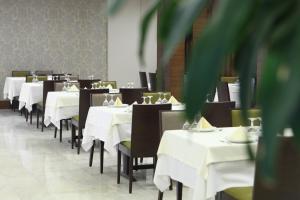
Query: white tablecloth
{"x":108,"y":124}
{"x":31,"y":93}
{"x":203,"y":162}
{"x":61,"y":105}
{"x":12,"y":87}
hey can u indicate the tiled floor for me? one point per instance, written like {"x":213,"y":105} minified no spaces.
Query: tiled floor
{"x":35,"y":166}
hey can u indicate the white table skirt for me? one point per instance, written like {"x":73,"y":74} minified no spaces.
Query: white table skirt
{"x":221,"y":176}
{"x":31,"y":93}
{"x":234,"y":93}
{"x":108,"y":124}
{"x":12,"y":87}
{"x":55,"y":110}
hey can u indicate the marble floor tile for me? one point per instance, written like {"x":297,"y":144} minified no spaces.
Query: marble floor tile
{"x":36,"y":166}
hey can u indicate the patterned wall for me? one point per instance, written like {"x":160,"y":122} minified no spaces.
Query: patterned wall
{"x":61,"y":35}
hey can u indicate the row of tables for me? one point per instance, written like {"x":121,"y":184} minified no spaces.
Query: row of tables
{"x":204,"y":162}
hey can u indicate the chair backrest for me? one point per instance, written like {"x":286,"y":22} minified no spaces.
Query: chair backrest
{"x":223,"y":92}
{"x":145,"y":134}
{"x":131,"y":95}
{"x":219,"y":113}
{"x":84,"y":103}
{"x":29,"y":79}
{"x":87,"y":83}
{"x":48,"y":86}
{"x":287,"y":172}
{"x":112,"y":83}
{"x":237,"y":120}
{"x":171,"y":120}
{"x":43,"y":72}
{"x":153,"y":81}
{"x":143,"y":79}
{"x":59,"y":85}
{"x":229,"y":79}
{"x":16,"y":73}
{"x":155,"y":96}
{"x":98,"y":99}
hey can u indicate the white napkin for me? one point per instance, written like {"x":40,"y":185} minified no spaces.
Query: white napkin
{"x":204,"y":124}
{"x":239,"y":135}
{"x":173,"y":101}
{"x":118,"y":102}
{"x":109,"y":86}
{"x":73,"y":88}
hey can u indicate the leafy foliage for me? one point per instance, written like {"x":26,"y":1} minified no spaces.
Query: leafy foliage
{"x":245,"y":29}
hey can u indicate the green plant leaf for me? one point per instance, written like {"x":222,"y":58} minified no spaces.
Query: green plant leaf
{"x":216,"y":42}
{"x":115,"y":5}
{"x":145,"y":26}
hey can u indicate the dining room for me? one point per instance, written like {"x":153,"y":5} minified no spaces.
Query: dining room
{"x":138,"y":99}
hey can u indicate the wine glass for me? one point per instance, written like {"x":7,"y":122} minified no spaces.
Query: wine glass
{"x":252,"y":129}
{"x":100,"y":84}
{"x":159,"y":100}
{"x":164,"y":101}
{"x":111,"y":102}
{"x":105,"y":102}
{"x":64,"y":87}
{"x":128,"y":84}
{"x":68,"y":85}
{"x":186,"y":125}
{"x":144,"y":100}
{"x":150,"y":99}
{"x":132,"y":84}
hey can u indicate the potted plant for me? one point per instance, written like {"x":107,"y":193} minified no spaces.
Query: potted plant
{"x":246,"y":29}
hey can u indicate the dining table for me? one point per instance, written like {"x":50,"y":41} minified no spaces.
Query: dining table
{"x":12,"y":87}
{"x":204,"y":162}
{"x":30,"y":94}
{"x":110,"y":124}
{"x":60,"y":105}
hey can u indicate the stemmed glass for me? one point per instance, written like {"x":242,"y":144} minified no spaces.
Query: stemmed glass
{"x":252,"y":129}
{"x":132,"y":84}
{"x":164,"y":99}
{"x":159,"y":100}
{"x":105,"y":102}
{"x":100,"y":84}
{"x":150,"y":99}
{"x":128,"y":84}
{"x":144,"y":100}
{"x":64,"y":87}
{"x":69,"y":85}
{"x":111,"y":102}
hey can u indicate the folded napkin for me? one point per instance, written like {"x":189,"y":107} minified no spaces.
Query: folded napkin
{"x":204,"y":124}
{"x":118,"y":102}
{"x":73,"y":88}
{"x":134,"y":103}
{"x":109,"y":86}
{"x":173,"y":100}
{"x":239,"y":135}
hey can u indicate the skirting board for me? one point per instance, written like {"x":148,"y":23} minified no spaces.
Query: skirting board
{"x":4,"y":104}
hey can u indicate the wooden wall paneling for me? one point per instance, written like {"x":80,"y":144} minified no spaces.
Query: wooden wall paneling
{"x":4,"y":104}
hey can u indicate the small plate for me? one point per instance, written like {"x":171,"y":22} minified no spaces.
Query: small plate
{"x":204,"y":129}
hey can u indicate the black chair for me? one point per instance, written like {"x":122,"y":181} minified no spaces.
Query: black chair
{"x":219,"y":113}
{"x":143,"y":79}
{"x":78,"y":122}
{"x":87,"y":83}
{"x":145,"y":138}
{"x":153,"y":81}
{"x":223,"y":92}
{"x":130,"y":95}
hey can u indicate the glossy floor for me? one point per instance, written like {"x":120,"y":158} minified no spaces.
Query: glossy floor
{"x":35,"y":166}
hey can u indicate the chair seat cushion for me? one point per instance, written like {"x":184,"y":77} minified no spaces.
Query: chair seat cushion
{"x":76,"y":118}
{"x":127,"y":144}
{"x":240,"y":193}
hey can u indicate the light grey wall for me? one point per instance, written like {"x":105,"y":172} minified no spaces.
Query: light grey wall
{"x":61,"y":35}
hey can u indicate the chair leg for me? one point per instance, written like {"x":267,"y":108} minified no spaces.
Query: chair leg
{"x":130,"y":174}
{"x":160,"y":195}
{"x":79,"y":142}
{"x":43,"y":117}
{"x":26,"y":115}
{"x":73,"y":135}
{"x":55,"y":132}
{"x":171,"y":185}
{"x":31,"y":117}
{"x":92,"y":154}
{"x":60,"y":131}
{"x":119,"y":166}
{"x":179,"y":191}
{"x":37,"y":118}
{"x":101,"y":156}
